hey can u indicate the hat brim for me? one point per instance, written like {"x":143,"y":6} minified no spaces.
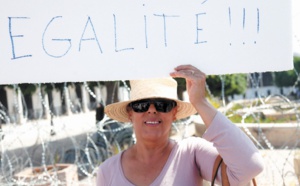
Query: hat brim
{"x":118,"y":111}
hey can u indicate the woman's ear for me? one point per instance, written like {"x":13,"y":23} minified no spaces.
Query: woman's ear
{"x":174,"y":113}
{"x":130,"y":116}
{"x":128,"y":109}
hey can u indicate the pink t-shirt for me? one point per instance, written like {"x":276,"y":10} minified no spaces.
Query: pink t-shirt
{"x":191,"y":160}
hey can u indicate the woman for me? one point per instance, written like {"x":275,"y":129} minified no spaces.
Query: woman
{"x":157,"y":160}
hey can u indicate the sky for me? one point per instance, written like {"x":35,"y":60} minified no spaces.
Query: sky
{"x":296,"y":26}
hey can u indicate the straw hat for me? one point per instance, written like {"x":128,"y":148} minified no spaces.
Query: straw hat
{"x":150,"y":88}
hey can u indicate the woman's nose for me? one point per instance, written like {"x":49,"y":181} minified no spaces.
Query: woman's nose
{"x":152,"y":109}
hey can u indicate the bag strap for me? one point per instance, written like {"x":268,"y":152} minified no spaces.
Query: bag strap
{"x":225,"y":182}
{"x":217,"y":164}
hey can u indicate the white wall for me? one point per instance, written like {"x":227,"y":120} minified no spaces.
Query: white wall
{"x":56,"y":102}
{"x":11,"y":100}
{"x":263,"y":92}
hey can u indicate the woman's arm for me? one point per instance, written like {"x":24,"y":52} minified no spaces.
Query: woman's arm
{"x":242,"y":158}
{"x":238,"y":151}
{"x":195,"y":85}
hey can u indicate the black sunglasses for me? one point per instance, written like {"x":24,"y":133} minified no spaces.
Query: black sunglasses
{"x":161,"y":105}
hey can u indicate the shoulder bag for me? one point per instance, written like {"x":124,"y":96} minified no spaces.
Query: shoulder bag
{"x":219,"y":163}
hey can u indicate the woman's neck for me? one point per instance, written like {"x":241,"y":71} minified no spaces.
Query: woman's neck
{"x":146,"y":152}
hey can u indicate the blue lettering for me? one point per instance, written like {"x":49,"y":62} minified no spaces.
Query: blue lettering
{"x":15,"y":36}
{"x":165,"y":25}
{"x":146,"y":34}
{"x":60,"y":40}
{"x":116,"y":39}
{"x":87,"y":39}
{"x":198,"y":29}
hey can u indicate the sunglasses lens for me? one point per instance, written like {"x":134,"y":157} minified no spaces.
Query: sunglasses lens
{"x":161,"y":105}
{"x":140,"y":106}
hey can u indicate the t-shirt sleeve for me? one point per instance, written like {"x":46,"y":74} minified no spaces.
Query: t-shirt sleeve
{"x":238,"y":152}
{"x":205,"y":154}
{"x":100,"y":181}
{"x":109,"y":173}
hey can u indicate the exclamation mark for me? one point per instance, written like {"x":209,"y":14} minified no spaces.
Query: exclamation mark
{"x":244,"y":20}
{"x":146,"y":30}
{"x":257,"y":26}
{"x":229,"y":14}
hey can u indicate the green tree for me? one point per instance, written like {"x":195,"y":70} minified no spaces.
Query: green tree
{"x":233,"y":84}
{"x":288,"y":78}
{"x":26,"y":88}
{"x":112,"y":89}
{"x":181,"y":87}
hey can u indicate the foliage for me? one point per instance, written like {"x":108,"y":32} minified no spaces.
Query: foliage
{"x":181,"y":87}
{"x":259,"y":119}
{"x":288,"y":78}
{"x":25,"y":88}
{"x":233,"y":84}
{"x":214,"y":102}
{"x":236,"y":116}
{"x":29,"y":88}
{"x":112,"y":89}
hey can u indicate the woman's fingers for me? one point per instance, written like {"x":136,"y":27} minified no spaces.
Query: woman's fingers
{"x":188,"y":72}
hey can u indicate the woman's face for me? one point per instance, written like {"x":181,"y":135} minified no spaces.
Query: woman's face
{"x":152,"y":124}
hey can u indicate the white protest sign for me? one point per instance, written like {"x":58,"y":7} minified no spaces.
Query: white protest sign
{"x":93,"y":40}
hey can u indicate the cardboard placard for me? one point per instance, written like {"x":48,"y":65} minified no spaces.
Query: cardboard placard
{"x":93,"y":40}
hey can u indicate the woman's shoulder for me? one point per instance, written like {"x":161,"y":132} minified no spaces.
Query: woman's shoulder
{"x":109,"y":170}
{"x":191,"y":140}
{"x":192,"y":143}
{"x":113,"y":161}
